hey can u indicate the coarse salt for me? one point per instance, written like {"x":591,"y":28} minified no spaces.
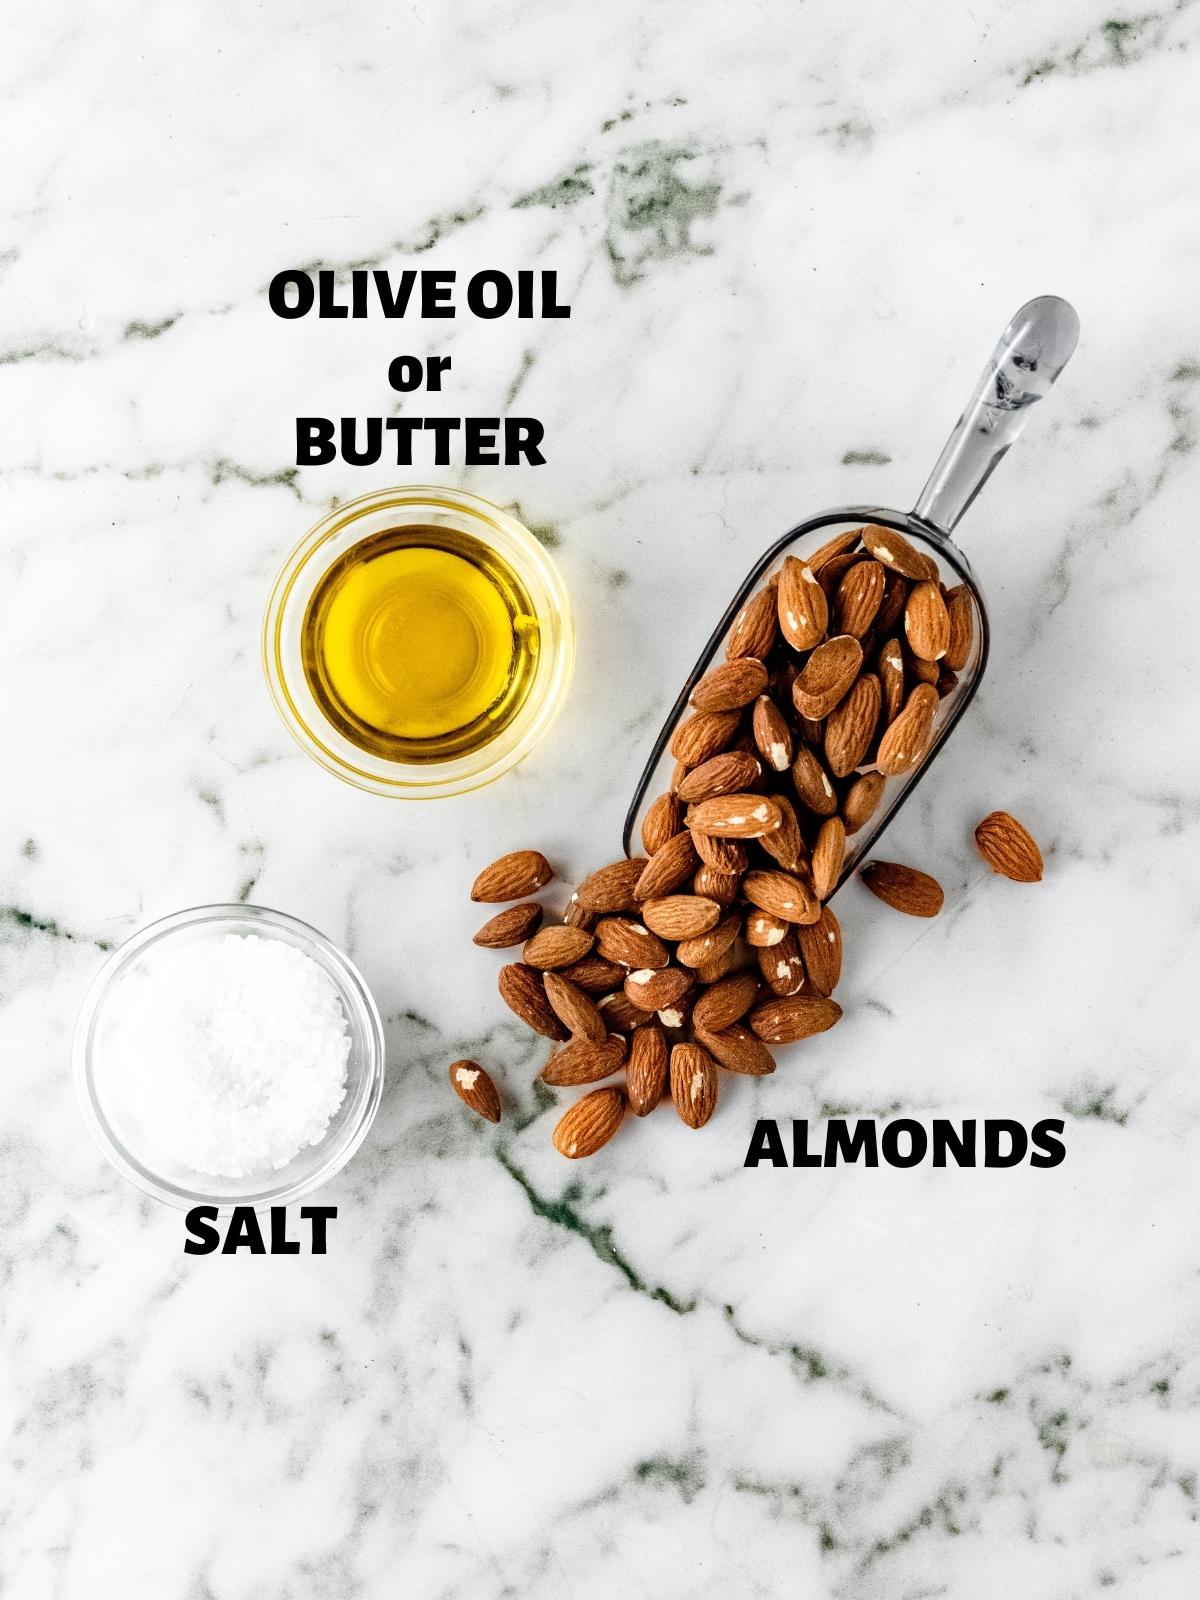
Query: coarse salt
{"x":233,"y":1052}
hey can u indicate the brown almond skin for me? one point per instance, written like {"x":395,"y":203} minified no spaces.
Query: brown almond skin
{"x":734,"y":816}
{"x":573,"y":1008}
{"x":556,"y":946}
{"x":783,"y":894}
{"x":584,"y":1061}
{"x":755,"y":628}
{"x":667,"y":868}
{"x":725,"y":1002}
{"x":475,"y":1088}
{"x":782,"y":965}
{"x":904,"y":744}
{"x":595,"y":975}
{"x":802,"y":606}
{"x":662,"y":822}
{"x":724,"y":774}
{"x":850,"y":729}
{"x":629,"y":943}
{"x":619,"y":1012}
{"x":511,"y":926}
{"x":891,"y":611}
{"x":895,"y":553}
{"x":891,"y":680}
{"x":577,"y":915}
{"x":713,"y":885}
{"x":710,"y":946}
{"x":731,"y":685}
{"x":1009,"y":848}
{"x":821,"y":947}
{"x":737,"y":1050}
{"x":796,"y":1017}
{"x":827,"y":676}
{"x":693,"y":1084}
{"x":710,"y":972}
{"x":859,"y":596}
{"x":703,"y":736}
{"x":812,"y":783}
{"x":828,"y":853}
{"x":589,"y":1124}
{"x":903,"y":888}
{"x":723,"y":855}
{"x":960,"y":609}
{"x":861,"y":800}
{"x":764,"y":929}
{"x":512,"y":877}
{"x":832,"y":573}
{"x":611,"y":888}
{"x":680,"y":916}
{"x":842,"y":544}
{"x":927,"y":622}
{"x":656,"y":990}
{"x":786,"y":842}
{"x":524,"y":993}
{"x":772,"y":735}
{"x":647,"y":1068}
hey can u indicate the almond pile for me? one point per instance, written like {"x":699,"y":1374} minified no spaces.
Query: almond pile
{"x":718,"y":942}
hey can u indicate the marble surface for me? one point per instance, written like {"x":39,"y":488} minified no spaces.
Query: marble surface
{"x":790,"y":235}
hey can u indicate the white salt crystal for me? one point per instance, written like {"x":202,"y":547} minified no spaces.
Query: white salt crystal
{"x":233,"y":1052}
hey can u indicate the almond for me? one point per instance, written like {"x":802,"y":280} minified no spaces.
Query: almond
{"x":786,"y":842}
{"x":764,"y":928}
{"x":524,"y":993}
{"x":704,"y":735}
{"x":679,"y":1015}
{"x":612,"y":887}
{"x":782,"y":965}
{"x":781,"y":893}
{"x":828,"y":675}
{"x":619,"y":1012}
{"x":821,"y":947}
{"x":556,"y":946}
{"x":927,"y":622}
{"x":828,"y":854}
{"x":803,"y":608}
{"x":755,"y":627}
{"x":840,"y":545}
{"x":731,"y":685}
{"x":734,"y":816}
{"x":737,"y":1049}
{"x":897,"y":555}
{"x":813,"y":784}
{"x":960,"y":609}
{"x":667,"y":868}
{"x":595,"y":975}
{"x":724,"y":774}
{"x":646,"y":1072}
{"x":574,"y":1009}
{"x":475,"y":1088}
{"x":713,"y":885}
{"x":710,"y":946}
{"x":797,"y":1016}
{"x":681,"y":916}
{"x":850,"y":729}
{"x":904,"y":744}
{"x":861,"y":800}
{"x":710,"y":972}
{"x":584,"y":1061}
{"x":620,"y":939}
{"x":662,"y":822}
{"x":693,"y":1084}
{"x":895,"y":598}
{"x":512,"y":877}
{"x":903,"y":888}
{"x":723,"y":855}
{"x":589,"y":1124}
{"x":891,"y":680}
{"x":509,"y":927}
{"x":772,"y":734}
{"x":859,"y":596}
{"x":834,"y":570}
{"x":577,"y":915}
{"x":724,"y":1002}
{"x":1009,"y":848}
{"x":653,"y":989}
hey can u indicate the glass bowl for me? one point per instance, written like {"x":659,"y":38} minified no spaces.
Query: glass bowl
{"x":113,"y":1120}
{"x":417,"y":506}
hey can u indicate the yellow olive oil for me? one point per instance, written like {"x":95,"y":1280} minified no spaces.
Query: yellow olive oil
{"x":420,"y":644}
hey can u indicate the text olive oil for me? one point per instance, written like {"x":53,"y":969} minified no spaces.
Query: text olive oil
{"x":420,"y":644}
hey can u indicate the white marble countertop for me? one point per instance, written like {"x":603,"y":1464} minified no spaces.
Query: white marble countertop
{"x":790,"y":235}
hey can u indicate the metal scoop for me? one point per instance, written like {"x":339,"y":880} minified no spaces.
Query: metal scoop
{"x":1032,"y":351}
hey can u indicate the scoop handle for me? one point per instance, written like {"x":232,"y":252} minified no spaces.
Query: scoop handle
{"x":1033,"y":350}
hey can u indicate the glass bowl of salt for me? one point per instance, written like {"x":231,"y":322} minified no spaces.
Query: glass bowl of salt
{"x":228,"y":1055}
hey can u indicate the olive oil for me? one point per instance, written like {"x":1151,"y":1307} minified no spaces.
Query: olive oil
{"x":420,"y":644}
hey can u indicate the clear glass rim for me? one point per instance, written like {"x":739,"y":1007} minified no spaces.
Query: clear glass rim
{"x":299,"y":575}
{"x":355,"y":992}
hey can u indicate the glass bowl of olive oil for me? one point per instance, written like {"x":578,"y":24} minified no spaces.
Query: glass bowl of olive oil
{"x":418,"y":642}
